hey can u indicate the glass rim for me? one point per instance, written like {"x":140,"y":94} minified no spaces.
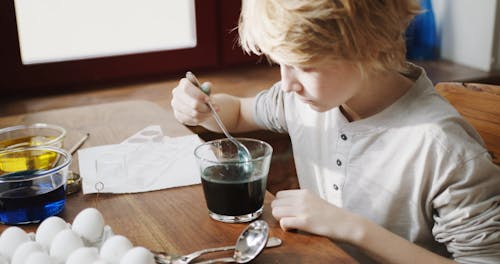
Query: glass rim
{"x":44,"y":173}
{"x":233,"y":161}
{"x":38,"y":125}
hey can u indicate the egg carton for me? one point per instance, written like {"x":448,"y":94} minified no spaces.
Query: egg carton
{"x":86,"y":241}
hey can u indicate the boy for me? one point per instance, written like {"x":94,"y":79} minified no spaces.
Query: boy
{"x":386,"y":167}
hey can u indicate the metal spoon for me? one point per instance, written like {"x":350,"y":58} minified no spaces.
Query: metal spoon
{"x":163,"y":258}
{"x":243,"y":152}
{"x":249,"y":245}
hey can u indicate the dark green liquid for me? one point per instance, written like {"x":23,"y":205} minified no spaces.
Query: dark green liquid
{"x":227,"y":192}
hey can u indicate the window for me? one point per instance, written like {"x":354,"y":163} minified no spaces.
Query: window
{"x":44,"y":44}
{"x":55,"y":30}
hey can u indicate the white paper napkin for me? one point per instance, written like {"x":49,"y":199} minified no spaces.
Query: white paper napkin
{"x":146,"y":161}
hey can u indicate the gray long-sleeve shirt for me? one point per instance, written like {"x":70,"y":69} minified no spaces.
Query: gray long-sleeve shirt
{"x":417,"y":168}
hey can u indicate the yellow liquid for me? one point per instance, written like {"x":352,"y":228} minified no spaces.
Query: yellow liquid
{"x":26,"y":160}
{"x":25,"y":142}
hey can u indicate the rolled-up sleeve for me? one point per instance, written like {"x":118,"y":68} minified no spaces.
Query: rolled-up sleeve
{"x":467,"y":212}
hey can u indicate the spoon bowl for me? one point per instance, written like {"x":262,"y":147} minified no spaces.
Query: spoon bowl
{"x":249,"y":245}
{"x":251,"y":242}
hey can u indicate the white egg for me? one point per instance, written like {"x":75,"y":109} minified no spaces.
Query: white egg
{"x":89,"y":224}
{"x":114,"y":248}
{"x":10,"y":239}
{"x":39,"y":257}
{"x":84,"y":255}
{"x":48,"y":229}
{"x":138,"y":255}
{"x":64,"y":243}
{"x":24,"y":250}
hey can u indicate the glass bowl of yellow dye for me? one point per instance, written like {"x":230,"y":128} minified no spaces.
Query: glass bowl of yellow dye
{"x":32,"y":183}
{"x":32,"y":135}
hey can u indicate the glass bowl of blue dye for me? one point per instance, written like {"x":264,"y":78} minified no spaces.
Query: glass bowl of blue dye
{"x":32,"y":183}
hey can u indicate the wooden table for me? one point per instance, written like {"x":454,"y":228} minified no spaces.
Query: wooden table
{"x":173,"y":220}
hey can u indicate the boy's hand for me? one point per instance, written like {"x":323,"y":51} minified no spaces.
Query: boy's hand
{"x":304,"y":210}
{"x":189,"y":103}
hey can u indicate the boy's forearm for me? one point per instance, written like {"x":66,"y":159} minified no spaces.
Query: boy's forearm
{"x":386,"y":247}
{"x":230,"y":113}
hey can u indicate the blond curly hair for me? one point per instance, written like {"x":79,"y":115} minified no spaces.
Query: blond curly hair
{"x":305,"y":32}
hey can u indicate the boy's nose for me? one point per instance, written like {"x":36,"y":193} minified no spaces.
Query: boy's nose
{"x":288,"y":82}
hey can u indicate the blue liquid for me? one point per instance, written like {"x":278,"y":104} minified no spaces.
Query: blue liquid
{"x":31,"y":201}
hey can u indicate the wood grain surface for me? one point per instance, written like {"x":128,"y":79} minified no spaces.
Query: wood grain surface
{"x":480,"y":105}
{"x":173,"y":220}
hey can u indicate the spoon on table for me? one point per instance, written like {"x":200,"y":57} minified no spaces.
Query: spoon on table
{"x":243,"y":152}
{"x":162,"y":258}
{"x":249,"y":245}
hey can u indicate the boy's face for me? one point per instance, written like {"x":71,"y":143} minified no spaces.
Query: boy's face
{"x":322,"y":87}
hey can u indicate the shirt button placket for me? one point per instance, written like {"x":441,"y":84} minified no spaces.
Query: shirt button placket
{"x":344,"y":138}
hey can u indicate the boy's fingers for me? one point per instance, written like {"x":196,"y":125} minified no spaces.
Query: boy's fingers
{"x":184,"y":102}
{"x":187,"y":120}
{"x":193,"y":91}
{"x":283,"y":211}
{"x":283,"y":202}
{"x":288,"y":223}
{"x":287,"y":193}
{"x":192,"y":118}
